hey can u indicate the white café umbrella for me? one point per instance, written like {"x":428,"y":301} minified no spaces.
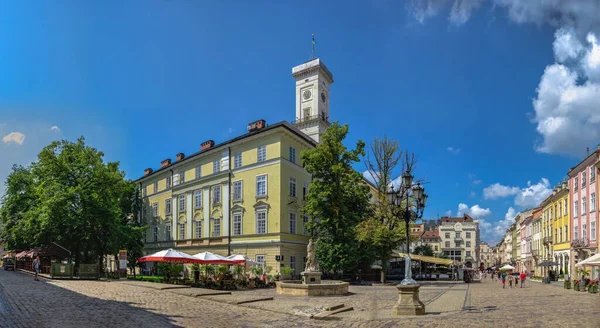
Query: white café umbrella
{"x":169,"y":255}
{"x":507,"y":267}
{"x":212,"y":258}
{"x":239,"y":258}
{"x":590,"y":261}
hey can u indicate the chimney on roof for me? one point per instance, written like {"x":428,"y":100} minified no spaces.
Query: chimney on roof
{"x":147,"y":171}
{"x":179,"y":156}
{"x":207,"y":145}
{"x":257,"y":125}
{"x":165,"y":162}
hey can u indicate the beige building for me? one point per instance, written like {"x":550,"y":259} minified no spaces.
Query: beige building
{"x":486,"y":255}
{"x":432,"y":237}
{"x":460,"y":239}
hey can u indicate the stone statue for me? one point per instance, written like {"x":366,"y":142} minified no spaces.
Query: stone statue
{"x":408,"y":280}
{"x":311,"y":261}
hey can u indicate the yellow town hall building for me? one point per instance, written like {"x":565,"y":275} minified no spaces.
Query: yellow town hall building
{"x":242,"y":196}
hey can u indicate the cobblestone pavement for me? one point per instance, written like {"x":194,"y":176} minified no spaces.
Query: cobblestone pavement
{"x":72,"y":303}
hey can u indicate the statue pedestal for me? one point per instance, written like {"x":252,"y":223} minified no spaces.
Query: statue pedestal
{"x":408,"y":301}
{"x":311,"y":278}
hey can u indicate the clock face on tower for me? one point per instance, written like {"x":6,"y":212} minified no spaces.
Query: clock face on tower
{"x":323,"y":98}
{"x":307,"y":94}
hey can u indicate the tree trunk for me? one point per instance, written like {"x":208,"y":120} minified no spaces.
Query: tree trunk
{"x":384,"y":266}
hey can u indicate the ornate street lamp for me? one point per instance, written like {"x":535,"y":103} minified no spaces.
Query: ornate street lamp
{"x":406,"y":193}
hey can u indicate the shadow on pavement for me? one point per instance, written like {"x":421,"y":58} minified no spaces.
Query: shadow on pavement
{"x":28,"y":303}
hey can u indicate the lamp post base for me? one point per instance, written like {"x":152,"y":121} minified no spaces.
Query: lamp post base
{"x":408,"y":301}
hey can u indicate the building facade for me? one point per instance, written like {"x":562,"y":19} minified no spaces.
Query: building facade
{"x":242,"y":196}
{"x":460,"y":239}
{"x":536,"y":242}
{"x":583,"y":189}
{"x":486,"y":255}
{"x":560,"y":227}
{"x":432,"y":238}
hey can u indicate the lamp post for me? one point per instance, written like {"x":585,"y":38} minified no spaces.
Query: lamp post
{"x":408,"y":302}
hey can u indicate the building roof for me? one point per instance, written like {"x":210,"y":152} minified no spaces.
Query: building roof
{"x":464,"y":218}
{"x":430,"y":234}
{"x":286,"y":125}
{"x":595,"y":152}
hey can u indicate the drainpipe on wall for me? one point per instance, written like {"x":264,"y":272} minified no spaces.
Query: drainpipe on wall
{"x":230,"y":204}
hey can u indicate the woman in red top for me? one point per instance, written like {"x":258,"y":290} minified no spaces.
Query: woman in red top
{"x":523,"y":276}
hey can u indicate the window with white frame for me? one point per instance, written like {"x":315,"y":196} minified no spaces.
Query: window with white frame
{"x":155,"y":209}
{"x":583,"y":179}
{"x":168,"y":232}
{"x":198,"y":171}
{"x":584,"y":231}
{"x":143,"y":191}
{"x":593,"y":230}
{"x":293,"y":187}
{"x":262,"y":153}
{"x":575,"y":208}
{"x":304,"y":190}
{"x":565,"y":207}
{"x":261,"y":221}
{"x":155,"y":234}
{"x":181,"y":203}
{"x":237,"y":224}
{"x":304,"y":225}
{"x":168,"y":181}
{"x":447,"y":244}
{"x":593,"y":202}
{"x":216,"y":166}
{"x":457,"y":234}
{"x":237,"y":190}
{"x":293,"y":263}
{"x":468,"y":244}
{"x":216,"y":194}
{"x":576,"y":233}
{"x":198,"y":228}
{"x":468,"y":253}
{"x":198,"y":199}
{"x":181,"y":176}
{"x":261,"y":185}
{"x":216,"y":228}
{"x":237,"y":160}
{"x":468,"y":235}
{"x":576,"y":183}
{"x":182,"y":231}
{"x":292,"y":154}
{"x":583,"y":206}
{"x":592,"y":174}
{"x":293,"y":223}
{"x":168,"y":206}
{"x":261,"y":260}
{"x":155,"y":187}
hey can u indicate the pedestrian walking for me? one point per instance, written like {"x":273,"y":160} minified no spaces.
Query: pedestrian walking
{"x":36,"y":267}
{"x":503,"y":277}
{"x":523,"y":276}
{"x":516,"y":280}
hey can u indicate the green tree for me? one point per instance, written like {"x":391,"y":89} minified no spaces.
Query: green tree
{"x":338,"y":200}
{"x":72,"y":197}
{"x":383,"y":231}
{"x":424,"y":250}
{"x":442,"y":255}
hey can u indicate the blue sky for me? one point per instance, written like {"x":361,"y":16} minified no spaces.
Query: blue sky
{"x":456,"y":84}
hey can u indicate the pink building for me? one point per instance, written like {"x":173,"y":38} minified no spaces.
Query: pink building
{"x":583,"y":189}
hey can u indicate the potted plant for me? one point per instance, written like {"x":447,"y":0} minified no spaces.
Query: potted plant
{"x":583,"y":281}
{"x":576,"y":285}
{"x":567,"y":284}
{"x":593,"y":287}
{"x":286,"y":273}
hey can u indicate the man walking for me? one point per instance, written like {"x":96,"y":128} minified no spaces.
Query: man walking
{"x":36,"y":267}
{"x":503,"y":279}
{"x":523,"y":276}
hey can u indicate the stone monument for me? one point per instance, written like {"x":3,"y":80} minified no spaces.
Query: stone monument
{"x":408,"y":300}
{"x":311,"y":284}
{"x":312,"y":273}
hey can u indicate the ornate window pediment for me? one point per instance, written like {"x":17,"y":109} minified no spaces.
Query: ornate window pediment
{"x":260,"y":205}
{"x":238,"y":208}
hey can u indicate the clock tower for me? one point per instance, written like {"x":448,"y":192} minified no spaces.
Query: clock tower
{"x":312,"y":97}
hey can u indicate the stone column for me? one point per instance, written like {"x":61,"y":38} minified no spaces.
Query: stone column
{"x":225,"y":198}
{"x":189,"y":212}
{"x":206,"y":205}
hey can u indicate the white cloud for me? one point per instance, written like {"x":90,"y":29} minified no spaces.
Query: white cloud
{"x":371,"y":176}
{"x":566,"y":45}
{"x":475,"y":211}
{"x":453,"y":150}
{"x":527,"y":197}
{"x":462,"y":10}
{"x":497,"y":190}
{"x":55,"y":128}
{"x":502,"y":225}
{"x":472,"y":194}
{"x":448,"y":213}
{"x":477,"y":182}
{"x":14,"y":137}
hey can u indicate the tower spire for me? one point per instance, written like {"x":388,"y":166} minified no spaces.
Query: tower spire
{"x":313,"y":46}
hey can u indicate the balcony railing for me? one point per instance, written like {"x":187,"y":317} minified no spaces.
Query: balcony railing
{"x":547,"y":240}
{"x":311,"y":118}
{"x":580,"y":243}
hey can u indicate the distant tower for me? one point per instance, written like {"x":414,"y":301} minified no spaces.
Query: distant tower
{"x":312,"y":97}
